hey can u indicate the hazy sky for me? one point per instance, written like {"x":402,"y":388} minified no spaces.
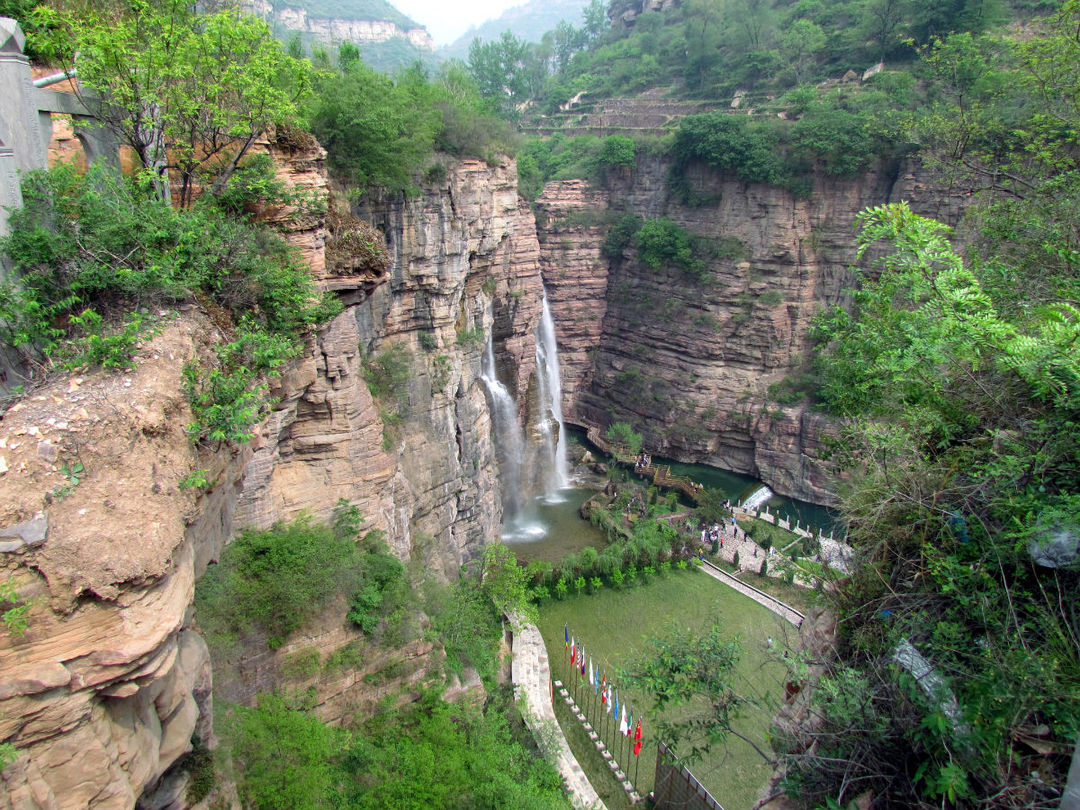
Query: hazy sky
{"x":447,"y":19}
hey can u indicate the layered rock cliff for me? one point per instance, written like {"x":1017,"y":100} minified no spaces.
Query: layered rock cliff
{"x":335,"y":30}
{"x":110,"y":682}
{"x":687,"y":362}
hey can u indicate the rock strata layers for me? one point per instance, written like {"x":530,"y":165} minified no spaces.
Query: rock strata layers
{"x":701,"y":366}
{"x":105,"y":690}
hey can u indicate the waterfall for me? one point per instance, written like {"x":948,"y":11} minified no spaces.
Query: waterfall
{"x":509,"y":438}
{"x":556,"y":469}
{"x":757,"y":498}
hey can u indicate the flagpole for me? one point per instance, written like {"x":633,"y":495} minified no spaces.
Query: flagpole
{"x":566,"y":648}
{"x":592,"y":701}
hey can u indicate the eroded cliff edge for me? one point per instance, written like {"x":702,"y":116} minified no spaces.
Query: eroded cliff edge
{"x":110,"y":681}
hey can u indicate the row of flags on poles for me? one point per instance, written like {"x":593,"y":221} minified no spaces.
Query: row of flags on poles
{"x":609,"y":697}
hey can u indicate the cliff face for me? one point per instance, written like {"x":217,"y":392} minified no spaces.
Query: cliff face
{"x":107,"y":686}
{"x":337,"y":30}
{"x":105,"y":690}
{"x":689,"y":363}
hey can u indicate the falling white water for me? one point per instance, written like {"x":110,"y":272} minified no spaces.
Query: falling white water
{"x":557,"y":469}
{"x":757,"y":498}
{"x":510,"y":441}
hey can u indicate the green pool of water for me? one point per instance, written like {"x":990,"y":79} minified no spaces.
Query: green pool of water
{"x":549,"y":530}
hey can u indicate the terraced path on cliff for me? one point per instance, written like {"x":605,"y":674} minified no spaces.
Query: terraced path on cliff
{"x":651,"y":112}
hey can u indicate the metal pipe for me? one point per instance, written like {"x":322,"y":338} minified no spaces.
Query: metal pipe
{"x":55,"y":78}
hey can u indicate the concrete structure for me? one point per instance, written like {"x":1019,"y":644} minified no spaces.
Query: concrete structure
{"x":26,"y":120}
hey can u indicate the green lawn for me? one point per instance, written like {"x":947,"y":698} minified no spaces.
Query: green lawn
{"x":615,"y":626}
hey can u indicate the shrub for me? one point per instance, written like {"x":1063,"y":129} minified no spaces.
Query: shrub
{"x":661,"y":243}
{"x":618,"y":151}
{"x":623,"y":436}
{"x":620,"y":236}
{"x":467,"y":623}
{"x":301,"y":664}
{"x":729,"y":143}
{"x":275,"y":580}
{"x":89,"y":250}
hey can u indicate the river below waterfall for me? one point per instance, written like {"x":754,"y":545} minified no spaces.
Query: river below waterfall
{"x":738,"y":487}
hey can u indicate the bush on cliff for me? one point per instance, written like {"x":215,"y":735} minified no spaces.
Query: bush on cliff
{"x":429,"y":754}
{"x":91,"y":254}
{"x":274,"y":581}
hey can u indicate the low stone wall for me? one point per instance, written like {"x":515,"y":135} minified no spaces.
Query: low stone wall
{"x":531,"y":676}
{"x":781,"y":609}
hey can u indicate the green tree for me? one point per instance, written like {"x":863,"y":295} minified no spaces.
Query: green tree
{"x":186,"y":91}
{"x":880,"y":23}
{"x":712,"y":505}
{"x":624,"y":438}
{"x":662,"y":243}
{"x":697,"y":674}
{"x":506,"y":583}
{"x":801,"y":43}
{"x":618,"y":151}
{"x":285,"y":756}
{"x":595,"y":20}
{"x":377,"y":133}
{"x":505,"y":70}
{"x":348,"y":55}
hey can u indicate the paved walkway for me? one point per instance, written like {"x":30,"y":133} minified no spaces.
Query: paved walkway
{"x":750,"y":557}
{"x":531,"y":675}
{"x":784,"y":611}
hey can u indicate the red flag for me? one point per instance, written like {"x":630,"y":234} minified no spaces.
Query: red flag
{"x":603,"y":690}
{"x":637,"y":748}
{"x":637,"y":739}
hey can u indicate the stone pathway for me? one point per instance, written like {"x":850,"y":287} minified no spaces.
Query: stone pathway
{"x":750,"y":557}
{"x":784,"y":611}
{"x":531,"y":675}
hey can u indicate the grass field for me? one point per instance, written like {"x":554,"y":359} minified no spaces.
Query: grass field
{"x":615,"y":626}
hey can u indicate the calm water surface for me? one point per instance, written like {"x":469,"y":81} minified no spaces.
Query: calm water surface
{"x":549,"y":530}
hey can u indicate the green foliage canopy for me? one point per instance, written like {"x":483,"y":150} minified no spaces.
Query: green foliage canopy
{"x":964,"y":439}
{"x":186,"y":91}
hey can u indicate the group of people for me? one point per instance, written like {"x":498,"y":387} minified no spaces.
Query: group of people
{"x":712,"y":534}
{"x":643,"y":462}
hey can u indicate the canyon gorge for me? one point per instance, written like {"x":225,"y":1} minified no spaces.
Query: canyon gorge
{"x":112,"y":680}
